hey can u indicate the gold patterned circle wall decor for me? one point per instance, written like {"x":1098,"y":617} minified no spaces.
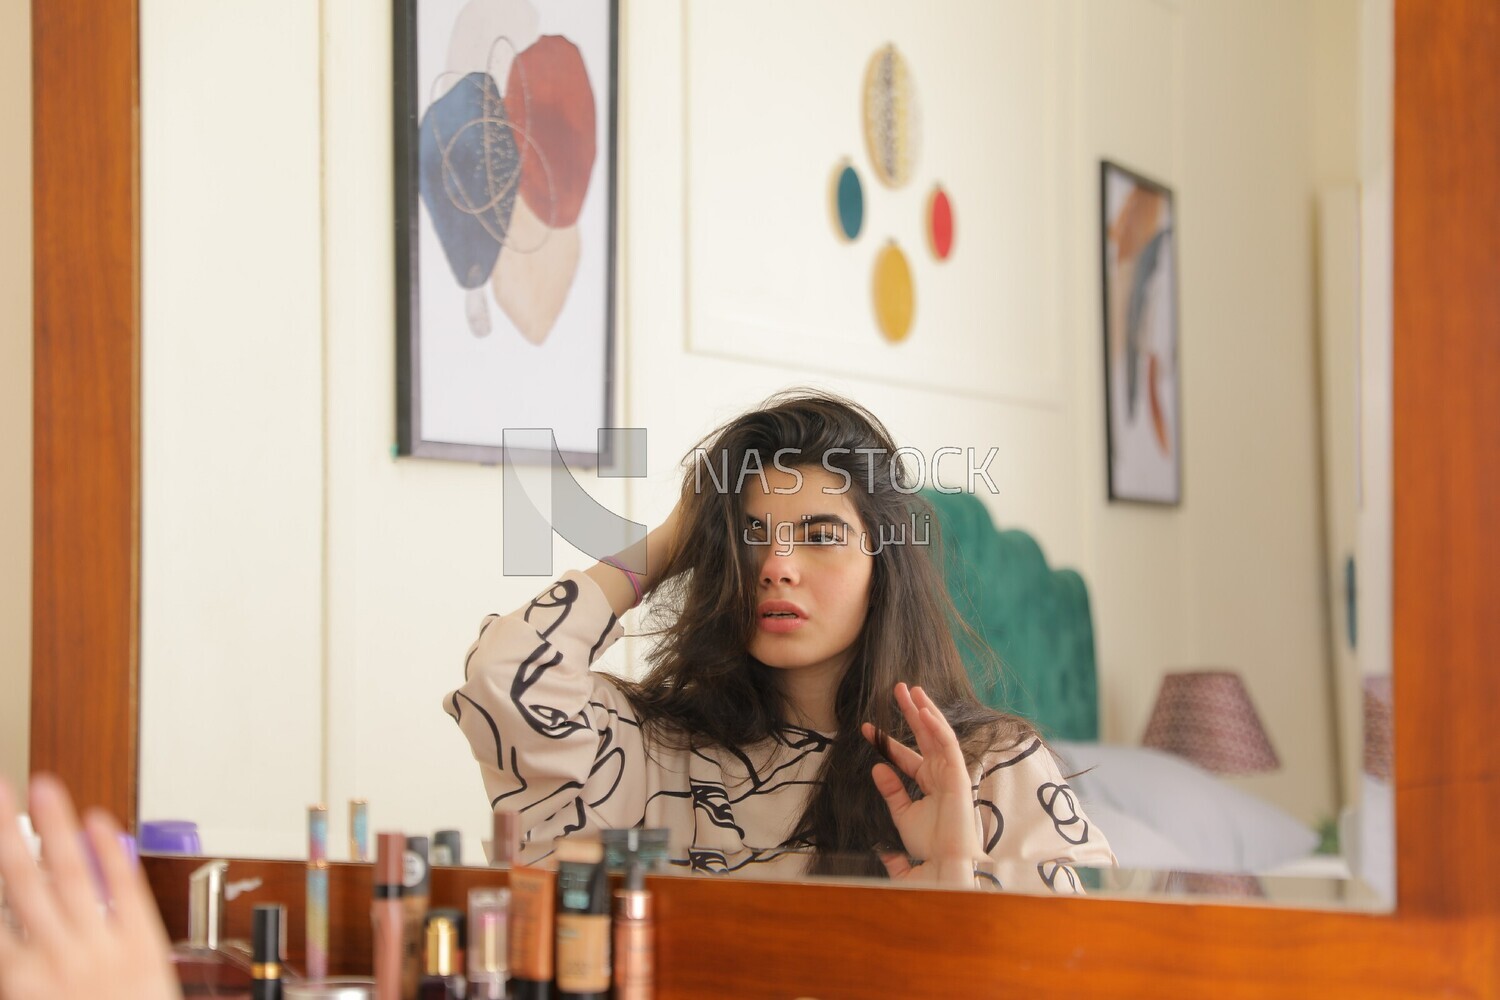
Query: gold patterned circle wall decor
{"x":892,"y":118}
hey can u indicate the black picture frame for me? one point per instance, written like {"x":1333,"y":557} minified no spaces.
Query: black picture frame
{"x":417,"y":272}
{"x":1139,"y":288}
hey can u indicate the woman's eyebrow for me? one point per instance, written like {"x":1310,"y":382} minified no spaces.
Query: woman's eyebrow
{"x":805,"y":519}
{"x":824,"y":519}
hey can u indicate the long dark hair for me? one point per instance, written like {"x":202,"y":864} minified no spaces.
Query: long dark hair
{"x":703,"y":688}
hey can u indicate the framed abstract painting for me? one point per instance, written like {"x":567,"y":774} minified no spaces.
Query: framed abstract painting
{"x":1143,"y":423}
{"x":505,"y":117}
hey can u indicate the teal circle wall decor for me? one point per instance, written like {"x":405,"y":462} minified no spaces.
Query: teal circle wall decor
{"x":848,"y":202}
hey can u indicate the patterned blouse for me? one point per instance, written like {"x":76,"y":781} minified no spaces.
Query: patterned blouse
{"x":559,"y":743}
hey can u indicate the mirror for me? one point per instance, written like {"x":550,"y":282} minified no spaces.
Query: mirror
{"x":307,"y":597}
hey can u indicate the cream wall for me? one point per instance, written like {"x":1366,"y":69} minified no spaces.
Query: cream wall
{"x":1215,"y":100}
{"x":232,"y":565}
{"x":15,"y":391}
{"x":355,"y":581}
{"x":1248,"y":582}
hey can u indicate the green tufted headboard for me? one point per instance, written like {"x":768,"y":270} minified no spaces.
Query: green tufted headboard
{"x":1036,"y":619}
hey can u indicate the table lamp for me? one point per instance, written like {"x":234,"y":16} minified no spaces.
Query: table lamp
{"x":1207,"y":717}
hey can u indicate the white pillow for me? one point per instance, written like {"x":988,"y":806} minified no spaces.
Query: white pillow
{"x":1218,"y":827}
{"x":1369,"y":837}
{"x":1135,"y":844}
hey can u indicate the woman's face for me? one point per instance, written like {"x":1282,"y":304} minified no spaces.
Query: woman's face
{"x":813,"y":586}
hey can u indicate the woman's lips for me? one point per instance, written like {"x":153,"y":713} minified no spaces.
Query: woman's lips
{"x":780,"y":616}
{"x":781,"y":624}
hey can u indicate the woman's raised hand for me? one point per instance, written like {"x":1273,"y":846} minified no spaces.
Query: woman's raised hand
{"x":663,"y":542}
{"x":628,"y":576}
{"x":73,"y":947}
{"x":940,"y":828}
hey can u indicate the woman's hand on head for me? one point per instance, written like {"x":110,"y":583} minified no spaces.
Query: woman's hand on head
{"x":667,"y":540}
{"x":939,"y":828}
{"x":626,"y":577}
{"x":73,"y":946}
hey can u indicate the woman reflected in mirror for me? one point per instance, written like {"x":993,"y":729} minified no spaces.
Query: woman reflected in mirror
{"x":804,"y":705}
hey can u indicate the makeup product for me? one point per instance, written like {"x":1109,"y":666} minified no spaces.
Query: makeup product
{"x":647,"y":844}
{"x":635,"y":937}
{"x":532,"y":904}
{"x":206,"y":904}
{"x":488,"y":938}
{"x":441,"y":980}
{"x":415,"y":888}
{"x":359,"y":830}
{"x":265,"y":941}
{"x":386,"y":915}
{"x":317,"y":892}
{"x":447,"y":848}
{"x":330,"y":989}
{"x":582,"y":921}
{"x":170,"y":836}
{"x":207,"y":964}
{"x":506,"y":845}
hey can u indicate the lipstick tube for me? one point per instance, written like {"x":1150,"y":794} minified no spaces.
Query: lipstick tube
{"x":265,"y":944}
{"x":443,"y":936}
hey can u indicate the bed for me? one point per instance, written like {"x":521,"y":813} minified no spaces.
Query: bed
{"x":1159,"y":811}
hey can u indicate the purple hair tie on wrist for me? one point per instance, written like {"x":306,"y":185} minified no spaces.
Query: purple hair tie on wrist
{"x":635,"y":580}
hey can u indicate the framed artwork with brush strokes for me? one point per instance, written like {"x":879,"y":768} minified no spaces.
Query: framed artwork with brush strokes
{"x":505,"y":116}
{"x":1143,"y":422}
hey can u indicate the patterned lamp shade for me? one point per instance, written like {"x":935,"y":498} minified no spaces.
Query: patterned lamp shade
{"x":1207,"y":717}
{"x":1378,"y":727}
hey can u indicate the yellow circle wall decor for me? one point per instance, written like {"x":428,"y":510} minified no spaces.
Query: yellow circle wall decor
{"x":894,"y":294}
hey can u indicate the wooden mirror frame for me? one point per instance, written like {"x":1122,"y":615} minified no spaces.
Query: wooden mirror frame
{"x":838,"y":941}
